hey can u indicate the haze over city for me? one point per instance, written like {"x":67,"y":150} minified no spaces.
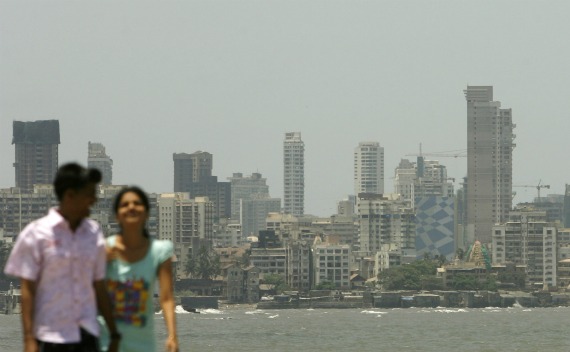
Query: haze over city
{"x":230,"y":78}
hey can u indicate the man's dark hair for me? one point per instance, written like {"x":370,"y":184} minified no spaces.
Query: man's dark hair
{"x":74,"y":176}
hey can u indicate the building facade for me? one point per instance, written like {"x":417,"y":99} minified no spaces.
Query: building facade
{"x":188,"y":223}
{"x":97,"y":158}
{"x":36,"y":144}
{"x":385,"y":220}
{"x":369,"y":168}
{"x":332,"y":264}
{"x":193,"y":175}
{"x":294,"y":174}
{"x":489,"y":162}
{"x":526,"y":238}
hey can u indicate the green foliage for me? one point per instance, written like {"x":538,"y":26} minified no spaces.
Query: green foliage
{"x":5,"y":249}
{"x":465,"y":282}
{"x":205,"y":266}
{"x":460,"y":253}
{"x":471,"y":283}
{"x":245,"y":258}
{"x":408,"y":276}
{"x":326,"y":285}
{"x":277,"y":281}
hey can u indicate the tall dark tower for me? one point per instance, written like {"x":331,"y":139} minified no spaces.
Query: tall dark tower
{"x":193,"y":174}
{"x":36,"y":152}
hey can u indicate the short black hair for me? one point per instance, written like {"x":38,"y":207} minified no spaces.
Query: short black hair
{"x":74,"y":176}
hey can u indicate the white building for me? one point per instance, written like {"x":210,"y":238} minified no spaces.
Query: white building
{"x":188,"y":223}
{"x":528,"y":239}
{"x":385,"y":220}
{"x":369,"y":168}
{"x":332,"y":264}
{"x":294,"y":174}
{"x":424,"y":178}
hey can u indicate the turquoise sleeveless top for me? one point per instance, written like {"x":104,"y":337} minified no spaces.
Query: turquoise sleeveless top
{"x":131,"y":287}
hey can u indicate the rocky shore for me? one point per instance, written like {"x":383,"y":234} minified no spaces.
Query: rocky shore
{"x":428,"y":299}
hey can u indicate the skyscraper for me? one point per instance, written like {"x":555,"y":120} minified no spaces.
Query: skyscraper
{"x":368,"y":168}
{"x":98,"y":159}
{"x":36,"y":152}
{"x":193,"y":174}
{"x":294,"y":174}
{"x":489,"y":162}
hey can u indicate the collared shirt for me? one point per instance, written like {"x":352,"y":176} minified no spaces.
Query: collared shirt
{"x":64,"y":265}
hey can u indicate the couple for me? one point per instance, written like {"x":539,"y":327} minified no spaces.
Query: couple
{"x":68,"y":272}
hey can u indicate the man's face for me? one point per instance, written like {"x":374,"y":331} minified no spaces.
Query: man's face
{"x":82,"y":200}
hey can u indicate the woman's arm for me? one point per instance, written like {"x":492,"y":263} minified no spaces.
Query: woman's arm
{"x":167,"y":304}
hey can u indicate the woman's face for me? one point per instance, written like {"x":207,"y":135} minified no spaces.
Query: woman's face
{"x":131,"y":210}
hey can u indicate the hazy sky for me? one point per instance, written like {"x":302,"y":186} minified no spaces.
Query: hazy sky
{"x":150,"y":78}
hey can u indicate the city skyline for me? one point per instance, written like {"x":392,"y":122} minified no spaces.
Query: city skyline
{"x":163,"y":79}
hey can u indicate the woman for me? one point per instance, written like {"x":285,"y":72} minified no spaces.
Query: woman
{"x":135,"y":261}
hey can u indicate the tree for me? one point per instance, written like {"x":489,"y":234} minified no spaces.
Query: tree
{"x":409,"y":276}
{"x":277,"y":281}
{"x":460,"y":253}
{"x":245,"y":257}
{"x":326,"y":285}
{"x":465,"y":282}
{"x":4,"y":254}
{"x":205,"y":266}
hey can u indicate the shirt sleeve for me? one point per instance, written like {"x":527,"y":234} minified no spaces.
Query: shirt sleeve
{"x":25,"y":259}
{"x":101,"y":260}
{"x":165,"y":251}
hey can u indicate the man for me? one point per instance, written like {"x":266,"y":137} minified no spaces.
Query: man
{"x":60,"y":260}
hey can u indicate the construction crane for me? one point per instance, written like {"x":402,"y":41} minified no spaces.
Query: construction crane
{"x":458,"y":153}
{"x":538,"y":187}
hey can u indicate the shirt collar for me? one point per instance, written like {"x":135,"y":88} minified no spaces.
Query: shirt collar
{"x":54,"y":218}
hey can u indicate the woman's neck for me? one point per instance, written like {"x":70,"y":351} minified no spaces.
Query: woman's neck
{"x":133,"y":238}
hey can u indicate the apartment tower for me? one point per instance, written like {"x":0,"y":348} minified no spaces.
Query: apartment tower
{"x":368,"y":168}
{"x":97,"y":158}
{"x":294,"y":173}
{"x":489,"y":162}
{"x":193,"y":174}
{"x":36,"y":152}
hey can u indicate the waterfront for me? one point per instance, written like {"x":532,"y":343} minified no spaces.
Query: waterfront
{"x":438,"y":329}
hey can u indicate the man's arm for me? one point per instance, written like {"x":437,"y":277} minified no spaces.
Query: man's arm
{"x":28,"y":289}
{"x":104,"y":306}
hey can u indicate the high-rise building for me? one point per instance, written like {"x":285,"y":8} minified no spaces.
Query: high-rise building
{"x":369,"y":168}
{"x":249,"y":187}
{"x":188,"y":223}
{"x":193,"y":174}
{"x":425,"y":184}
{"x":36,"y":152}
{"x":251,"y":202}
{"x":98,"y":159}
{"x":489,"y":162}
{"x":385,"y":220}
{"x":294,"y":174}
{"x":425,"y":178}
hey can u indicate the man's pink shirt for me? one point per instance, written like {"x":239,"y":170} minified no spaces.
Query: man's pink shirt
{"x":64,"y":265}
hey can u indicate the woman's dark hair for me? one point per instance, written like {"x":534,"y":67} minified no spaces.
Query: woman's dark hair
{"x":139,"y":192}
{"x":74,"y":176}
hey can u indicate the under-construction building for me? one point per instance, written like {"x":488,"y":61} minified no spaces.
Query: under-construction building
{"x":36,"y":152}
{"x":489,"y":162}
